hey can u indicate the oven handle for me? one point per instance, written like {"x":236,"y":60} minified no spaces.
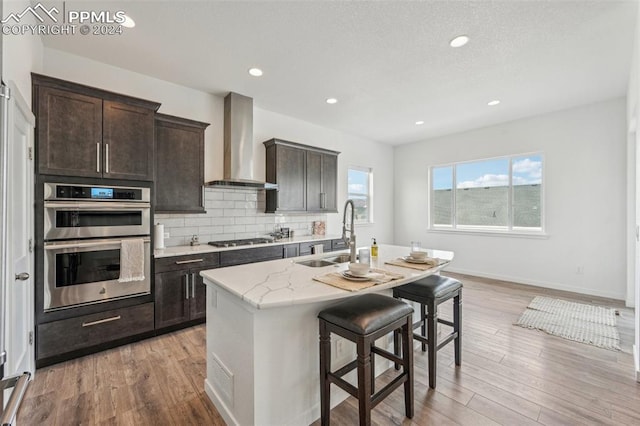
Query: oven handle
{"x":96,"y":205}
{"x":78,"y":244}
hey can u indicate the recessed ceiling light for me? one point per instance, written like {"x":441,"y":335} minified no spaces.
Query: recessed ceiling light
{"x":493,"y":103}
{"x":128,"y":22}
{"x":459,"y":41}
{"x":419,"y":123}
{"x":256,"y":72}
{"x":332,"y":100}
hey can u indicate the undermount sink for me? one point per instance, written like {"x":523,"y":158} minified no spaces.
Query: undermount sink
{"x":331,"y":260}
{"x":341,"y":258}
{"x":316,"y":263}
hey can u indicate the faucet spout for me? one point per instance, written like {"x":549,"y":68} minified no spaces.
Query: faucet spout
{"x":351,"y":239}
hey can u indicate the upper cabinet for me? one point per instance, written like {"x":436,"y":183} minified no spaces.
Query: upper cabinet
{"x":307,"y":177}
{"x":179,"y":165}
{"x":83,"y":131}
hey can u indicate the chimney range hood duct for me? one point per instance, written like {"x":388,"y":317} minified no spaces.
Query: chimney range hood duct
{"x":238,"y":145}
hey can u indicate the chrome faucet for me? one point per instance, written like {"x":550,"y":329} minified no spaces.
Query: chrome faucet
{"x":351,"y":241}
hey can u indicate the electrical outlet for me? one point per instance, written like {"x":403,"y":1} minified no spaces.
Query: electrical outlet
{"x":166,"y":235}
{"x":340,"y":343}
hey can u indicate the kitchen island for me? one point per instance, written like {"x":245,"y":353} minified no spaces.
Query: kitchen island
{"x":262,"y":335}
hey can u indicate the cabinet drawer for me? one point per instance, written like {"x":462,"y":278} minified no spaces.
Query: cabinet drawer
{"x":68,"y":335}
{"x":307,"y":248}
{"x":176,"y":263}
{"x":258,"y":254}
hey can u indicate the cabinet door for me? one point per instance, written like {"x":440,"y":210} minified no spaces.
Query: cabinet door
{"x":314,"y":181}
{"x":128,"y":141}
{"x":69,"y":131}
{"x":290,"y":166}
{"x":330,"y":182}
{"x":172,"y":306}
{"x":198,"y":301}
{"x":179,"y":168}
{"x":291,"y":250}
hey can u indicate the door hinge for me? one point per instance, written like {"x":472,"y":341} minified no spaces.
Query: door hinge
{"x":31,"y":337}
{"x":30,"y":245}
{"x":30,"y":153}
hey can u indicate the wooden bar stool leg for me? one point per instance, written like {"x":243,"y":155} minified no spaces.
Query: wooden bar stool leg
{"x":325,"y":365}
{"x":396,"y":346}
{"x":373,"y":372}
{"x":423,"y":318}
{"x":364,"y":377}
{"x":457,"y":322}
{"x":432,"y":337}
{"x":407,"y":344}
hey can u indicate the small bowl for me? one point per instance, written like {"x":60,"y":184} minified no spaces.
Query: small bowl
{"x":358,"y":269}
{"x":418,"y":255}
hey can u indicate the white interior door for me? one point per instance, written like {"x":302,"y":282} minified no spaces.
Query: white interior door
{"x":19,"y":303}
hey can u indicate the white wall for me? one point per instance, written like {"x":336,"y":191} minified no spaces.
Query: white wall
{"x":197,"y":105}
{"x":21,"y":54}
{"x":585,"y":188}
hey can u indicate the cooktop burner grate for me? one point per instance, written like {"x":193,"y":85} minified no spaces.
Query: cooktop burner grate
{"x":243,"y":242}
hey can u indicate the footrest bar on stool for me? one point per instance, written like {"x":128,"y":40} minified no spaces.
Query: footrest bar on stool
{"x":344,"y":370}
{"x":388,"y":355}
{"x":447,"y":339}
{"x":420,"y":338}
{"x":445,"y":322}
{"x":341,"y":383}
{"x":385,"y":391}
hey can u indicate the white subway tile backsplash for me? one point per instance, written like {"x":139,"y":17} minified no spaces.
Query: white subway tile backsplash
{"x":231,"y":214}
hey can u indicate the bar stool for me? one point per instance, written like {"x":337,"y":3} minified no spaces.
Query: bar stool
{"x":430,"y":292}
{"x":362,"y":320}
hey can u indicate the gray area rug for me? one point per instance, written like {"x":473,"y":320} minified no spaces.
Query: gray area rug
{"x":593,"y":325}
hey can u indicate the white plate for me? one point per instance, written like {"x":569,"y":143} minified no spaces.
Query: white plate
{"x":412,"y":260}
{"x":347,"y":276}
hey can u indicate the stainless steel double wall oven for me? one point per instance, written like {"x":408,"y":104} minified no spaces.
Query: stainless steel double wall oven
{"x":84,"y":227}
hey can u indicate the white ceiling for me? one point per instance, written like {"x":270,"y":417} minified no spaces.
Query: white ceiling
{"x":388,"y":63}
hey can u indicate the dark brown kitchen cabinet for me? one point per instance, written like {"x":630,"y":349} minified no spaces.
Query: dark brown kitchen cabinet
{"x":67,"y":335}
{"x":179,"y":164}
{"x":308,"y":247}
{"x":286,"y":166}
{"x":290,"y":250}
{"x":322,"y":172}
{"x":180,"y":292}
{"x":250,"y":255}
{"x":84,"y":131}
{"x":306,"y":177}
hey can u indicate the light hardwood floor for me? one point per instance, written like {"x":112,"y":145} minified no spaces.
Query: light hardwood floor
{"x":509,"y":376}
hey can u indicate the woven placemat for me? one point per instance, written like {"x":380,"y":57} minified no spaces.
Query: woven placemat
{"x":431,"y":263}
{"x":336,"y":279}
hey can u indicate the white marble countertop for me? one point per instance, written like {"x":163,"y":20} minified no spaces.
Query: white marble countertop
{"x":206,"y":248}
{"x":284,"y":282}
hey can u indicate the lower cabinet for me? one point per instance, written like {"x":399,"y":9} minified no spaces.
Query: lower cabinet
{"x":180,"y":293}
{"x":68,"y":335}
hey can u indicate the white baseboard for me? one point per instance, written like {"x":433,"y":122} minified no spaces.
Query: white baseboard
{"x":220,"y":405}
{"x":544,"y":284}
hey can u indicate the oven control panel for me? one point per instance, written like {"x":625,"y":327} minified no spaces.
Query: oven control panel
{"x":57,"y":191}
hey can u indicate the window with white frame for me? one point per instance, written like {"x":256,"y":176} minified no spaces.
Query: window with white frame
{"x":499,"y":194}
{"x":360,"y":184}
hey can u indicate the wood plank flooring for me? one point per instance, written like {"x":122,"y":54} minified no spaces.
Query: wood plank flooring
{"x":509,"y":376}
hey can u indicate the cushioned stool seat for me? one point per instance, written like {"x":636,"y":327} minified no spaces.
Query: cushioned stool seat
{"x":363,"y":320}
{"x":430,"y":292}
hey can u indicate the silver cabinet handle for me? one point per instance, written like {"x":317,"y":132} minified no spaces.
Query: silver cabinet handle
{"x":193,"y":285}
{"x":98,"y":157}
{"x":182,"y":262}
{"x":106,"y":158}
{"x":102,"y":321}
{"x":186,"y":286}
{"x":23,"y":276}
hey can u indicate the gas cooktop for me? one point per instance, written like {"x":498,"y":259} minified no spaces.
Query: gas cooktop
{"x":244,"y":242}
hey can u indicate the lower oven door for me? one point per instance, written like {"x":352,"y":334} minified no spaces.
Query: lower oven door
{"x":87,"y":271}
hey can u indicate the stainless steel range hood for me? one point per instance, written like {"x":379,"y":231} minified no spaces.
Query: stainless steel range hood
{"x":238,"y":145}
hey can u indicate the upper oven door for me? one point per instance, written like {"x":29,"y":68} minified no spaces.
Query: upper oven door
{"x":67,"y":220}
